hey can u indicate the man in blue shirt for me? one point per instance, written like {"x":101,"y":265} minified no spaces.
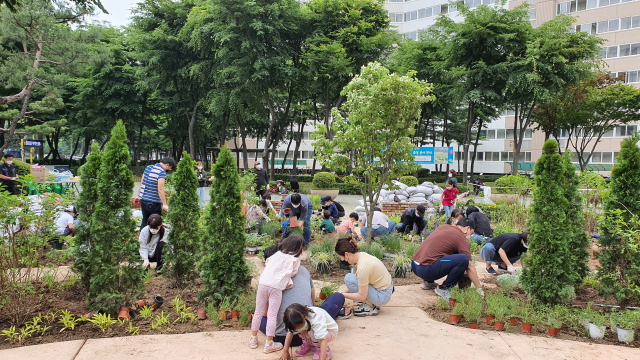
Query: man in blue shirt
{"x":331,"y":208}
{"x":151,"y":191}
{"x":301,"y":207}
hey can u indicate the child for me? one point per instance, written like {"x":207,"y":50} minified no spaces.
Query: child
{"x":202,"y":183}
{"x":285,"y":224}
{"x":327,"y":226}
{"x":449,"y":198}
{"x":346,"y":227}
{"x":456,"y":215}
{"x":277,"y":274}
{"x":316,"y":328}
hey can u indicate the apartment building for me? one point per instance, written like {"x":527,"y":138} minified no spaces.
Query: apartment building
{"x":616,"y":21}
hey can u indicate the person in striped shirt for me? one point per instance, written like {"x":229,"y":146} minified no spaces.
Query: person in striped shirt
{"x":151,"y":191}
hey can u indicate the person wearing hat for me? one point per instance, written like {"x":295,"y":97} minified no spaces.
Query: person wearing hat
{"x":8,"y":175}
{"x":504,"y":249}
{"x":65,"y":224}
{"x":261,"y":179}
{"x":410,"y":217}
{"x":331,"y":207}
{"x":446,"y":252}
{"x":151,"y":191}
{"x":326,"y":202}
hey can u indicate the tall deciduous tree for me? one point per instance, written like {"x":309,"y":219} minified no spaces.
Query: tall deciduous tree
{"x":118,"y":277}
{"x":374,"y":139}
{"x":223,"y":269}
{"x":185,"y":235}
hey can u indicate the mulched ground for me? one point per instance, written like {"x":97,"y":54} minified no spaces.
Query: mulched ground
{"x":337,"y":275}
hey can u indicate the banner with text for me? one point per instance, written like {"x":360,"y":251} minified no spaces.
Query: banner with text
{"x":433,"y":155}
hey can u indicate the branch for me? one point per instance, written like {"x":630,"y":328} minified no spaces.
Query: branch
{"x":19,"y":96}
{"x":50,"y":62}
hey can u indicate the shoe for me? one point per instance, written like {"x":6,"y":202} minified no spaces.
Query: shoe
{"x":366,"y":310}
{"x":443,"y":293}
{"x":305,"y":349}
{"x":253,"y":342}
{"x":272,"y":347}
{"x":342,"y":316}
{"x":491,"y":271}
{"x":502,"y":269}
{"x":328,"y":354}
{"x":425,"y":285}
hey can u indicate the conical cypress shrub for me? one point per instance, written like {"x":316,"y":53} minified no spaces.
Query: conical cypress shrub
{"x":223,"y":270}
{"x":184,"y":214}
{"x":115,"y":246}
{"x":624,"y":189}
{"x":86,"y":203}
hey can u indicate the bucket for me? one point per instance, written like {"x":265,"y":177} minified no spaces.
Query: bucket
{"x":624,"y":335}
{"x":596,"y":332}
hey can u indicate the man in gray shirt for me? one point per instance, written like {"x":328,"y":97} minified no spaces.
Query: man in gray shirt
{"x":301,"y":207}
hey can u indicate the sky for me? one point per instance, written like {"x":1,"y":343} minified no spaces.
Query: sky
{"x":119,"y":12}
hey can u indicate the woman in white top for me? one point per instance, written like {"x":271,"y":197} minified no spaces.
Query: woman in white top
{"x":153,"y":238}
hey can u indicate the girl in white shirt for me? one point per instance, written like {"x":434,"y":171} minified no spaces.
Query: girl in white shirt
{"x":316,"y":328}
{"x":153,"y":238}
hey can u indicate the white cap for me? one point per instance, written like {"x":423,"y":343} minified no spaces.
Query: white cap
{"x":70,"y":208}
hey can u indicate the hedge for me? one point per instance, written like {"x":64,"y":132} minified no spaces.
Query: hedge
{"x":324,"y":180}
{"x":22,"y":167}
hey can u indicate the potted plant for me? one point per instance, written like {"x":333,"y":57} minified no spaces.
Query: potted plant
{"x":322,"y":262}
{"x":323,"y":185}
{"x":554,"y":321}
{"x":456,"y":313}
{"x":597,"y":325}
{"x":501,"y":312}
{"x":456,"y":295}
{"x":529,"y":318}
{"x":328,"y":290}
{"x":225,"y":308}
{"x":253,"y":241}
{"x":472,"y":313}
{"x":401,"y":266}
{"x":625,"y":323}
{"x":490,"y":310}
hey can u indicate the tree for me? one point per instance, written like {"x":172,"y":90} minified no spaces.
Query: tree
{"x":223,"y":269}
{"x":184,"y":238}
{"x":374,"y":138}
{"x":557,"y":244}
{"x":86,"y":206}
{"x":118,"y":277}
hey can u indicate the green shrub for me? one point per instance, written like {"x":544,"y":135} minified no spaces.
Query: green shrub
{"x":118,"y":279}
{"x":348,"y":189}
{"x":324,"y":180}
{"x":512,"y":184}
{"x":22,"y":167}
{"x":315,"y":200}
{"x":373,"y":249}
{"x":223,"y":269}
{"x":392,"y":243}
{"x":557,"y":253}
{"x":409,"y":180}
{"x":508,"y":282}
{"x":185,"y":236}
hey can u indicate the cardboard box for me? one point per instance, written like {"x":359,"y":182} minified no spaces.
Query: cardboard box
{"x":41,"y":174}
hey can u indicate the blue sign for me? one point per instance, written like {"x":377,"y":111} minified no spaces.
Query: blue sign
{"x":433,"y":155}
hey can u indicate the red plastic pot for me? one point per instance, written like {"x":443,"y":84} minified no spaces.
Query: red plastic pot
{"x":514,"y":321}
{"x":473,"y":325}
{"x":526,"y":328}
{"x":452,"y":302}
{"x":322,"y":297}
{"x":202,"y":314}
{"x":453,"y":319}
{"x":142,"y":303}
{"x":157,"y":302}
{"x":222,"y":315}
{"x":235,"y":314}
{"x":490,"y":319}
{"x":553,"y":331}
{"x":250,"y":316}
{"x":499,"y":326}
{"x":124,"y":313}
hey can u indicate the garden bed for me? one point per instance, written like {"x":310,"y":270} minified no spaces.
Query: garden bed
{"x":337,"y":275}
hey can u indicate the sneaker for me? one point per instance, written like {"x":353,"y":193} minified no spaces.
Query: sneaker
{"x":328,"y":354}
{"x":491,"y":271}
{"x":502,"y":269}
{"x":305,"y":349}
{"x":342,"y":314}
{"x":443,"y":293}
{"x":253,"y":342}
{"x":272,"y":347}
{"x":366,"y":310}
{"x":428,"y":285}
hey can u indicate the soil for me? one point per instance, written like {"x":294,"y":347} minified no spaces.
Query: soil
{"x":73,"y":300}
{"x":337,"y":275}
{"x":52,"y":257}
{"x":583,"y":296}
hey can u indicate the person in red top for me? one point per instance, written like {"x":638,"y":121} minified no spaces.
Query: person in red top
{"x":446,"y":252}
{"x":449,"y":198}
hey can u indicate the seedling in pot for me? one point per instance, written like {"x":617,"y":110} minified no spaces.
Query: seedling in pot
{"x":456,"y":313}
{"x":328,"y":290}
{"x":472,"y":313}
{"x":442,"y":304}
{"x":625,"y":323}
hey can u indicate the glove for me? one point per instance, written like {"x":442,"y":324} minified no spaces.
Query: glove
{"x":145,"y":264}
{"x":165,"y":208}
{"x":479,"y":290}
{"x":511,"y":269}
{"x":136,"y":201}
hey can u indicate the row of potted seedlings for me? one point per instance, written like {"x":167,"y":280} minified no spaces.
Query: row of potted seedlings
{"x":500,"y":309}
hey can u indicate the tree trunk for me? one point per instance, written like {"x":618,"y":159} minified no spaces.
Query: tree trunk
{"x":222,"y":137}
{"x":139,"y":150}
{"x":75,"y":148}
{"x":475,"y":148}
{"x":288,"y":147}
{"x":295,"y":152}
{"x":466,"y":142}
{"x":86,"y":148}
{"x":523,"y":119}
{"x":192,"y":122}
{"x":243,"y":134}
{"x":272,"y":123}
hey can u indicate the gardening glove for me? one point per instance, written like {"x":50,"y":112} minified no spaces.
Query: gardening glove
{"x":145,"y":264}
{"x":511,"y":269}
{"x":479,"y":290}
{"x":165,"y":207}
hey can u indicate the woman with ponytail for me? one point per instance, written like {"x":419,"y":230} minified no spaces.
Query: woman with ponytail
{"x":371,"y":284}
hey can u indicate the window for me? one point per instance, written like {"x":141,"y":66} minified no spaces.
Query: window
{"x":422,"y":13}
{"x":444,"y":9}
{"x":528,"y":133}
{"x":506,"y":156}
{"x":412,"y":35}
{"x":528,"y":158}
{"x":532,"y":14}
{"x":606,"y":157}
{"x":510,"y":112}
{"x":626,"y":130}
{"x":591,"y":4}
{"x":509,"y":134}
{"x":479,"y":156}
{"x":399,"y":17}
{"x":501,"y":134}
{"x":603,"y":27}
{"x":413,"y":15}
{"x":604,"y":2}
{"x":582,"y":5}
{"x":453,"y":8}
{"x":436,"y":10}
{"x":428,"y":12}
{"x":596,"y":157}
{"x":633,"y":76}
{"x":635,"y":21}
{"x":635,"y":49}
{"x":612,"y":2}
{"x":496,"y":156}
{"x":612,"y":52}
{"x":614,"y":25}
{"x":625,"y":23}
{"x":608,"y":134}
{"x":491,"y":134}
{"x":563,"y":8}
{"x":483,"y":134}
{"x":625,"y":50}
{"x":615,"y":157}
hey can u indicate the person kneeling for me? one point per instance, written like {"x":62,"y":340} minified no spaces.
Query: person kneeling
{"x":327,"y":226}
{"x":153,"y":238}
{"x":504,"y":250}
{"x":315,"y":326}
{"x":446,"y":252}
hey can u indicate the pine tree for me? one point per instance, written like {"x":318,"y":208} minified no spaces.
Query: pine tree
{"x":86,"y":203}
{"x":224,"y":270}
{"x":184,"y":238}
{"x":552,"y":265}
{"x":118,"y":279}
{"x":624,"y":189}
